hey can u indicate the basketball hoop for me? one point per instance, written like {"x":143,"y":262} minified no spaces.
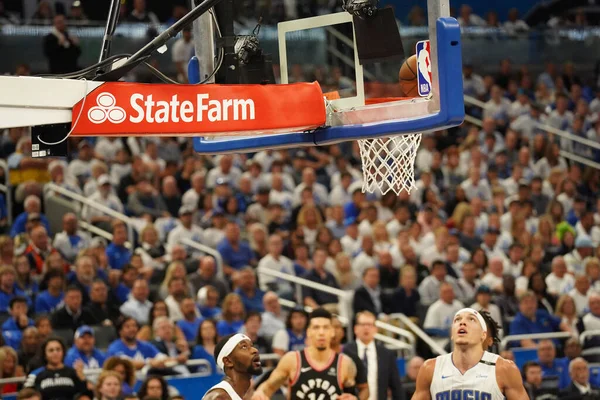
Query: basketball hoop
{"x":388,"y":163}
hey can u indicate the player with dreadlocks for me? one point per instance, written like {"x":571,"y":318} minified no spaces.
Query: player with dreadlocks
{"x":470,"y":371}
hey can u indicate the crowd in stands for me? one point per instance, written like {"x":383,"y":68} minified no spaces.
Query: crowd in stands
{"x":499,"y":221}
{"x":94,"y":12}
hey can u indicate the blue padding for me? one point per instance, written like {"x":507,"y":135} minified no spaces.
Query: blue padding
{"x":523,"y":355}
{"x":401,"y":363}
{"x":194,"y":70}
{"x":452,"y":110}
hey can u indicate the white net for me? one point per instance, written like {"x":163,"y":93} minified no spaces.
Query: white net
{"x":389,"y":163}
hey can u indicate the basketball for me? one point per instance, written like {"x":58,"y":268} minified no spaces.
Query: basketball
{"x":408,"y":77}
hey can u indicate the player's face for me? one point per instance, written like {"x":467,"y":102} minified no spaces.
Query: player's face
{"x":320,"y":333}
{"x":246,"y":359}
{"x":467,"y":330}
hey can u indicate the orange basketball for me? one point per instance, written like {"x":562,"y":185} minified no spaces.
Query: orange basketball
{"x":408,"y":77}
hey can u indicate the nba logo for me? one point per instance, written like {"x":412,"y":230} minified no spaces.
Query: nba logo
{"x":423,"y":68}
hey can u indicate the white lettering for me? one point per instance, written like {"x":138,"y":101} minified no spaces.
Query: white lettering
{"x":149,"y":104}
{"x":162,"y":115}
{"x":187,"y":111}
{"x":214,"y":113}
{"x":326,"y":385}
{"x":146,"y":109}
{"x":245,"y":106}
{"x":226,"y":104}
{"x":174,"y":103}
{"x":201,"y":106}
{"x":140,"y":111}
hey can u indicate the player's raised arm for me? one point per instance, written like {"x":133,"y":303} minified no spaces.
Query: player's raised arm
{"x":510,"y":380}
{"x":279,"y":376}
{"x":424,"y":378}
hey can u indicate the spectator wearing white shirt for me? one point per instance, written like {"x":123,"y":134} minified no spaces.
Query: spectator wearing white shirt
{"x":138,"y":306}
{"x":181,"y":53}
{"x":437,"y":251}
{"x":309,"y":180}
{"x":494,"y":278}
{"x":477,"y":187}
{"x":340,"y":193}
{"x":370,"y":217}
{"x":514,"y":24}
{"x":440,"y":314}
{"x":581,"y":294}
{"x":514,"y":264}
{"x":81,"y":167}
{"x":520,"y":106}
{"x":497,"y":107}
{"x":430,"y":287}
{"x":467,"y":18}
{"x":351,"y":241}
{"x":400,"y":221}
{"x":366,"y":258}
{"x":225,"y":170}
{"x":273,"y":318}
{"x":185,"y":230}
{"x":276,"y":262}
{"x":279,"y":194}
{"x":576,"y":259}
{"x":191,"y":197}
{"x":71,"y":240}
{"x":561,"y":118}
{"x":103,"y":196}
{"x":525,"y":124}
{"x":425,"y":153}
{"x":558,"y":281}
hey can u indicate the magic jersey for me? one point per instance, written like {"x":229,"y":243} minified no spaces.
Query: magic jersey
{"x":226,"y":386}
{"x":478,"y":383}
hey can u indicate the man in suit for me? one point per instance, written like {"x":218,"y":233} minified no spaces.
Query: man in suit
{"x":380,"y":363}
{"x":580,"y":387}
{"x":368,"y":296}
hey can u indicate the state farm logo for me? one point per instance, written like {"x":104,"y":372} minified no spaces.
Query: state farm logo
{"x":106,"y":109}
{"x":145,"y":109}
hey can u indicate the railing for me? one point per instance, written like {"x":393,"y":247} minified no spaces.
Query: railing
{"x":533,"y":336}
{"x":207,"y":250}
{"x":6,"y":189}
{"x":93,"y":204}
{"x":394,"y":343}
{"x":558,"y":132}
{"x":341,"y":294}
{"x":419,"y":332}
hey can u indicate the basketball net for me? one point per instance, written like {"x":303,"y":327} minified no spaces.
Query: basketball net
{"x":389,"y":163}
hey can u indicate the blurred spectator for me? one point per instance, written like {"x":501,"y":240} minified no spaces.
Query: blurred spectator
{"x":233,"y":315}
{"x":28,"y":350}
{"x":235,"y":252}
{"x":580,"y":386}
{"x":368,"y":296}
{"x":164,"y":333}
{"x":183,"y":50}
{"x":206,"y":341}
{"x":441,"y":313}
{"x":71,"y":315}
{"x":273,"y":318}
{"x":429,"y":289}
{"x":104,"y":310}
{"x":32,"y":205}
{"x":514,"y":24}
{"x":467,"y":18}
{"x":71,"y":240}
{"x":61,"y":48}
{"x":191,"y":320}
{"x":8,"y":290}
{"x":141,"y":14}
{"x":251,"y":296}
{"x":13,"y":327}
{"x":293,"y":337}
{"x":552,"y":367}
{"x":207,"y":275}
{"x":117,"y":253}
{"x":84,"y":350}
{"x":138,"y":306}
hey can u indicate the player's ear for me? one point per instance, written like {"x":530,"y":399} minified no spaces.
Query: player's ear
{"x":227,"y":363}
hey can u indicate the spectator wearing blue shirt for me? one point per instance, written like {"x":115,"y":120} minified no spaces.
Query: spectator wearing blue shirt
{"x":531,"y":320}
{"x":48,"y":300}
{"x":208,"y":300}
{"x":139,"y":352}
{"x":32,"y":205}
{"x":12,"y":329}
{"x":118,"y":255}
{"x":191,"y":321}
{"x":235,"y":252}
{"x":84,"y":350}
{"x":232,"y":316}
{"x":8,"y":289}
{"x":315,"y":298}
{"x":206,"y":341}
{"x":251,"y":296}
{"x":353,"y":208}
{"x":552,"y":367}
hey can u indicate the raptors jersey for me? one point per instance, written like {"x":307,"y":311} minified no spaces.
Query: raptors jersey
{"x":311,"y":383}
{"x":478,"y":383}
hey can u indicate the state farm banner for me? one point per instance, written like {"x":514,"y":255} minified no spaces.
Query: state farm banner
{"x":133,"y":109}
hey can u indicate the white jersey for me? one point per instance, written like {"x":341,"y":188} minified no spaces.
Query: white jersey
{"x":478,"y":383}
{"x":226,"y":386}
